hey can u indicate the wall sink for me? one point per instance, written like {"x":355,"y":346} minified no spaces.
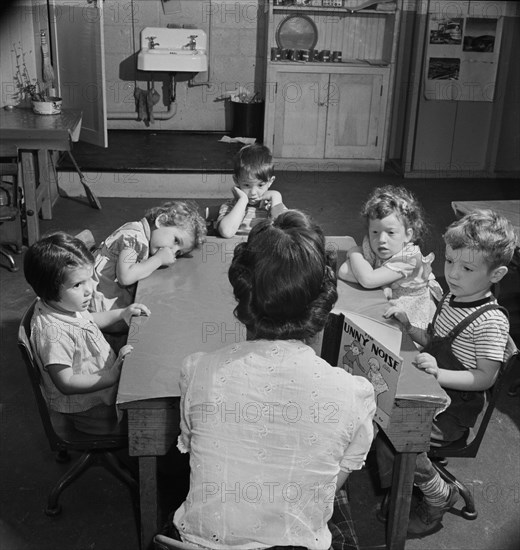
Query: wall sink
{"x":173,"y":50}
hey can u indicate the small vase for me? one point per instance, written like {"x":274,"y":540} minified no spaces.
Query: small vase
{"x":50,"y":107}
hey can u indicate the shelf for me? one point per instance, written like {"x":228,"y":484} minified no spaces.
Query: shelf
{"x":330,"y":9}
{"x":332,"y":65}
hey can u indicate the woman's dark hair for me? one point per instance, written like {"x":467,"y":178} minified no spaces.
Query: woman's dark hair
{"x":284,"y":279}
{"x":48,"y":261}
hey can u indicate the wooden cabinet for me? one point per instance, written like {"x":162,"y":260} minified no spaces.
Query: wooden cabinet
{"x":332,"y":116}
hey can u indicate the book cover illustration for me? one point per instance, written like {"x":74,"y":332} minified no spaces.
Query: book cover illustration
{"x":370,"y":348}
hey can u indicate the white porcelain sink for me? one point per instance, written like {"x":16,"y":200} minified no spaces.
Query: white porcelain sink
{"x":173,"y":50}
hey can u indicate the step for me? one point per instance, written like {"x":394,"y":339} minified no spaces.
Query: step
{"x":150,"y":163}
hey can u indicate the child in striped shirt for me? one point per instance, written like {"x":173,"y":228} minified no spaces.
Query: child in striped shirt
{"x":464,"y":347}
{"x":252,"y":199}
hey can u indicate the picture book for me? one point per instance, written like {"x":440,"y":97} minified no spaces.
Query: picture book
{"x":371,"y":349}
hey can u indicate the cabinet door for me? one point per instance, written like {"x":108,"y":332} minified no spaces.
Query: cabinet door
{"x":355,"y":120}
{"x":300,"y":114}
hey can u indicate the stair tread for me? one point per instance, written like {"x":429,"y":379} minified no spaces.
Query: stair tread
{"x":154,"y":151}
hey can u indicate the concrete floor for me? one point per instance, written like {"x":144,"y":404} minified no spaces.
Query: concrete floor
{"x":98,"y":513}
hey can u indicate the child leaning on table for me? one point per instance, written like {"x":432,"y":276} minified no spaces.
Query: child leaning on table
{"x":79,"y":368}
{"x":390,"y":256}
{"x":137,"y":249}
{"x":463,"y":348}
{"x":273,"y":430}
{"x":252,"y":199}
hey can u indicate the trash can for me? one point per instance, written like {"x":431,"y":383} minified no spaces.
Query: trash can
{"x":248,"y":119}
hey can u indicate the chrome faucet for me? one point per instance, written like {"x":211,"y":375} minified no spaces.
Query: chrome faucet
{"x":152,"y":42}
{"x":192,"y":44}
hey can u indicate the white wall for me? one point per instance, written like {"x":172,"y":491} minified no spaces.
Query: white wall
{"x":237,"y":57}
{"x":20,"y":26}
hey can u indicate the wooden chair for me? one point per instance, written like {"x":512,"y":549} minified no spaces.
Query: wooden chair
{"x":63,"y":437}
{"x":468,"y":446}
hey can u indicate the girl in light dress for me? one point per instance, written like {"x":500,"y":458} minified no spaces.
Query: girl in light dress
{"x":390,"y":257}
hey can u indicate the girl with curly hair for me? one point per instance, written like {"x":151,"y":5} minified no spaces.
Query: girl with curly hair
{"x":137,"y":249}
{"x":390,"y":256}
{"x":272,"y":429}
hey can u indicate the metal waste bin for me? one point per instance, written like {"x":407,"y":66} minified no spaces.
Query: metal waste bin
{"x":248,"y":119}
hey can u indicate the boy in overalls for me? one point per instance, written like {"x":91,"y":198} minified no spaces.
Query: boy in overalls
{"x":464,"y":348}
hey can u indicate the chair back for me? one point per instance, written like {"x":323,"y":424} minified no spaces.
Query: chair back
{"x":35,"y":376}
{"x":59,"y":429}
{"x":468,"y":447}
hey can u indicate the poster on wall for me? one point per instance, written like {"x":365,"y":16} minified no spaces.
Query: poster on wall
{"x":461,"y":58}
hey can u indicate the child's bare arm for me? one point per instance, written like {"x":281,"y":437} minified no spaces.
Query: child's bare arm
{"x":69,"y":383}
{"x":229,"y":224}
{"x":105,"y":319}
{"x":479,"y":379}
{"x":366,"y":275}
{"x":129,"y":271}
{"x":417,"y":334}
{"x":345,"y":272}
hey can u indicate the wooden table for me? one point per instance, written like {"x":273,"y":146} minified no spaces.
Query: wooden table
{"x":509,"y":209}
{"x":35,"y":136}
{"x":192,"y":310}
{"x":418,"y":398}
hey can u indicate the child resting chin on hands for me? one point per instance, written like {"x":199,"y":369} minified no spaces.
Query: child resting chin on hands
{"x":253,"y":200}
{"x":79,"y":368}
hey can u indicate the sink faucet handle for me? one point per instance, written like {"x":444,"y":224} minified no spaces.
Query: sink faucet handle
{"x":193,"y":42}
{"x":152,"y":42}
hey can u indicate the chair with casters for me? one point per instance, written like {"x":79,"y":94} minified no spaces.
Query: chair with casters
{"x":211,"y":217}
{"x":468,"y":446}
{"x":63,"y":437}
{"x":10,"y":215}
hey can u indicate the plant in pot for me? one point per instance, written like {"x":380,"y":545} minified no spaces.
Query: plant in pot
{"x":39,"y":94}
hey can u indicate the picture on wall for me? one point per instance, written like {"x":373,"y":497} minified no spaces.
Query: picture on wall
{"x":461,"y":57}
{"x":448,"y":31}
{"x":444,"y":68}
{"x":480,"y":35}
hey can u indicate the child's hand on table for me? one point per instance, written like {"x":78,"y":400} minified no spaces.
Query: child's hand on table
{"x":135,"y":310}
{"x":124,"y":351}
{"x":427,"y":363}
{"x":166,"y":255}
{"x":395,"y":312}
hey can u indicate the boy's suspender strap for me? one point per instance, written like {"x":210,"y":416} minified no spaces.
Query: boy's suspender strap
{"x":438,"y":310}
{"x":455,"y":331}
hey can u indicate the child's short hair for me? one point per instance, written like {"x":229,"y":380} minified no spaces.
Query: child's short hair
{"x":183,"y":214}
{"x":284,"y":278}
{"x":484,"y":231}
{"x":48,"y":261}
{"x":390,"y":199}
{"x":253,"y":162}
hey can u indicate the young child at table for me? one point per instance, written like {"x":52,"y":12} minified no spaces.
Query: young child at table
{"x":390,"y":256}
{"x":463,"y":348}
{"x":252,"y":199}
{"x":273,"y":430}
{"x":137,"y":249}
{"x":79,"y":368}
